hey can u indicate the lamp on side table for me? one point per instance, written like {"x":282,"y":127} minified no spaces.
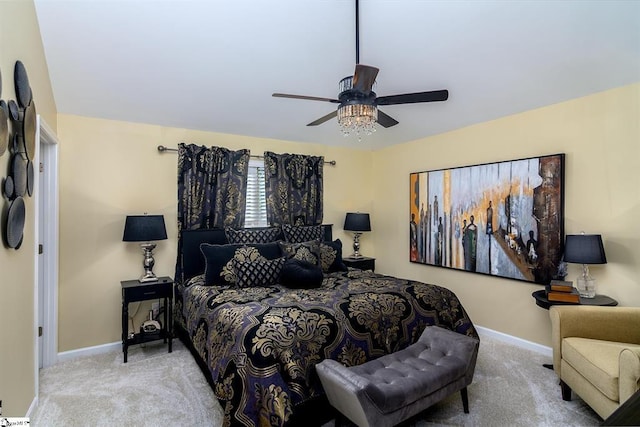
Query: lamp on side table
{"x":145,"y":228}
{"x":585,"y":249}
{"x":357,"y":222}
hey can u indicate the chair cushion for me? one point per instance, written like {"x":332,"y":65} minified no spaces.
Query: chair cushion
{"x":597,"y":361}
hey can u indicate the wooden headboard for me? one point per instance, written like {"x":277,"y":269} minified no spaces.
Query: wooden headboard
{"x":192,"y":259}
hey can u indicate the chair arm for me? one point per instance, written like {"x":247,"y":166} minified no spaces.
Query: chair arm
{"x":585,"y":321}
{"x":629,"y":372}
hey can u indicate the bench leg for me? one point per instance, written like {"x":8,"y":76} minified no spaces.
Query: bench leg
{"x":566,"y":391}
{"x":465,"y":400}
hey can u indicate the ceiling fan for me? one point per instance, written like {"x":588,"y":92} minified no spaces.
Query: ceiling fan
{"x":358,"y":103}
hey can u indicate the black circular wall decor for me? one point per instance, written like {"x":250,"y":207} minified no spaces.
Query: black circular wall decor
{"x":29,"y":130}
{"x":15,"y":223}
{"x":19,"y":174}
{"x":8,"y":187}
{"x":14,"y":110}
{"x":4,"y":130}
{"x":23,"y":90}
{"x":22,"y":135}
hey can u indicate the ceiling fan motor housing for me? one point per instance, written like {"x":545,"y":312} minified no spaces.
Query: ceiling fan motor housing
{"x":350,"y":96}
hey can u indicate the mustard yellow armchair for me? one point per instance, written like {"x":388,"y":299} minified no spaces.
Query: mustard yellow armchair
{"x":596,"y":353}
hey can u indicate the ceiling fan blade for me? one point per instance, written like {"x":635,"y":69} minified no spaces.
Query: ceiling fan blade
{"x":364,"y":77}
{"x":412,"y":98}
{"x":323,"y":119}
{"x":310,"y":98}
{"x":385,"y":120}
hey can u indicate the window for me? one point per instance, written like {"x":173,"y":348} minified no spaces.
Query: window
{"x":256,"y":214}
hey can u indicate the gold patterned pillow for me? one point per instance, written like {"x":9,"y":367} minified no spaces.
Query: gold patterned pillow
{"x":219,"y":269}
{"x":304,"y":251}
{"x":331,"y":256}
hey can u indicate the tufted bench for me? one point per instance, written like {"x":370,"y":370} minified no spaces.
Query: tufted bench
{"x":397,"y":386}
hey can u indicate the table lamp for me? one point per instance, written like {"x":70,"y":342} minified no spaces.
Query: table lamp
{"x":585,"y":249}
{"x":357,"y":222}
{"x":145,"y":228}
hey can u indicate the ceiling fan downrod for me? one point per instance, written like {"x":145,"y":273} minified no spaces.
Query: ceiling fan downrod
{"x":357,"y":32}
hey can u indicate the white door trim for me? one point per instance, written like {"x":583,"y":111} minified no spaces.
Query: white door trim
{"x":48,"y":144}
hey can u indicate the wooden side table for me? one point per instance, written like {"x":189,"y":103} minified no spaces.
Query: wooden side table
{"x":542,"y":301}
{"x":363,"y":263}
{"x":133,"y":291}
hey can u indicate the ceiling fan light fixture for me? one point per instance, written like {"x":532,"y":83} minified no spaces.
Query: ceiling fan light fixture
{"x":358,"y":119}
{"x":357,"y":114}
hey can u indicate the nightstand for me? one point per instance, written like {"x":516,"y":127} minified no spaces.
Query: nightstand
{"x":363,"y":263}
{"x":134,"y":291}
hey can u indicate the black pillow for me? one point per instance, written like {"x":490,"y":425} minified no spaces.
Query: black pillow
{"x":331,"y":256}
{"x":256,"y":235}
{"x":219,"y":266}
{"x":301,"y":233}
{"x":304,"y":251}
{"x":193,"y":263}
{"x":258,"y":273}
{"x":298,"y":274}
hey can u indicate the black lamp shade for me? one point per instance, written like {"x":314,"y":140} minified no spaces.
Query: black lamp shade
{"x":357,"y":222}
{"x":144,"y":228}
{"x":584,"y":249}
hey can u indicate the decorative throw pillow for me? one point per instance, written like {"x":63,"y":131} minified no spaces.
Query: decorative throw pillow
{"x":301,"y":233}
{"x":304,"y":251}
{"x":299,"y":274}
{"x":258,"y":273}
{"x":257,"y":235}
{"x":331,"y":256}
{"x":219,"y":268}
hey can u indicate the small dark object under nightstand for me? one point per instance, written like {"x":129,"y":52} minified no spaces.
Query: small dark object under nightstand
{"x":133,"y":291}
{"x":363,"y":263}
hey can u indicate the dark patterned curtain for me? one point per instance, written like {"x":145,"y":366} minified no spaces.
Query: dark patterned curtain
{"x":293,"y":188}
{"x":212,"y":185}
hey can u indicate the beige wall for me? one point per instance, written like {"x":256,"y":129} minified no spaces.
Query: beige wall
{"x":20,"y":40}
{"x":110,"y":169}
{"x":600,"y":135}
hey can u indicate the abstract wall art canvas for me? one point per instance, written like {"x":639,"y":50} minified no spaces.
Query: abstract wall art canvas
{"x":503,"y":219}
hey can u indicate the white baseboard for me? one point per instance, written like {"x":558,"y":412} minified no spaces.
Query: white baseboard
{"x":518,"y":342}
{"x":510,"y":339}
{"x":88,"y":351}
{"x":32,"y":407}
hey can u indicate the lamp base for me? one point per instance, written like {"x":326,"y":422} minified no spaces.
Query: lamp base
{"x":586,"y":284}
{"x":586,"y":287}
{"x":147,"y":263}
{"x":356,"y":246}
{"x":148,"y":278}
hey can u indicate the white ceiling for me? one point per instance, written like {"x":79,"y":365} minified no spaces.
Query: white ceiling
{"x":213,"y":65}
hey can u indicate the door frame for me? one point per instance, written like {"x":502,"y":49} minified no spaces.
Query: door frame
{"x":48,"y":155}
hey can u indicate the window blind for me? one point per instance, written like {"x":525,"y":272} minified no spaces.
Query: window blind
{"x":256,"y":213}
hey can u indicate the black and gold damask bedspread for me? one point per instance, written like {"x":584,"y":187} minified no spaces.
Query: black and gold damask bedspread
{"x":261,"y":344}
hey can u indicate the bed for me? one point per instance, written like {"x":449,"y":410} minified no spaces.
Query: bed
{"x":258,"y":345}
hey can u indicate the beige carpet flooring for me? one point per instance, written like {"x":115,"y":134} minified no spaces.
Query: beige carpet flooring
{"x":155,"y":388}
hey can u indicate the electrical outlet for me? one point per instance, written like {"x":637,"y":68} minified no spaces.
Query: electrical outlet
{"x":155,"y":307}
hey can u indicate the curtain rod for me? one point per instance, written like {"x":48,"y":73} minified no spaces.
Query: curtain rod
{"x":162,"y":149}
